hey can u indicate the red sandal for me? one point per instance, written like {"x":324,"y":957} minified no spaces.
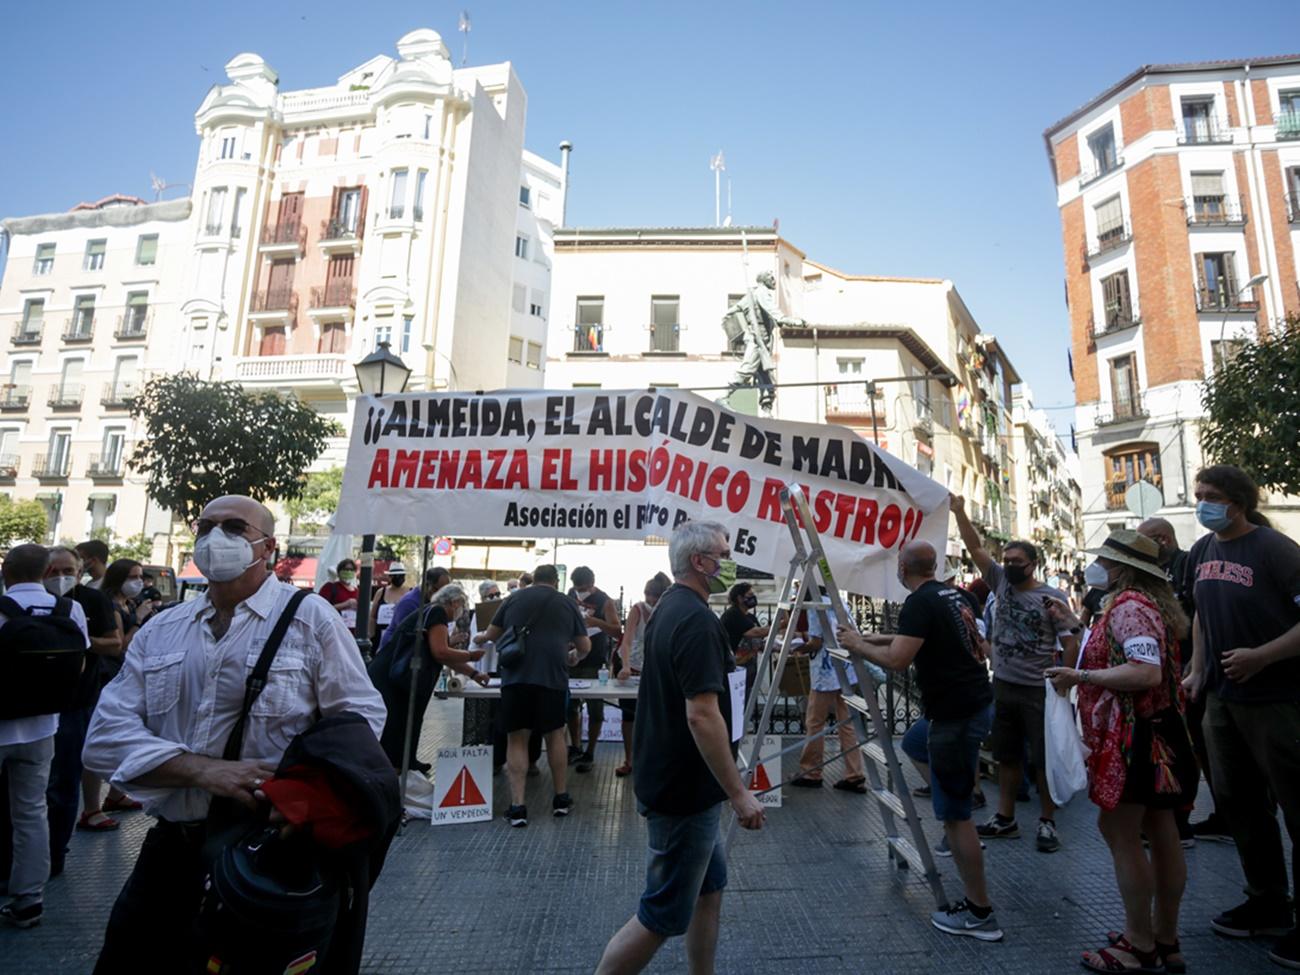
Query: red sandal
{"x":105,"y":825}
{"x":1173,"y":965}
{"x":1108,"y":962}
{"x":623,"y":770}
{"x":125,"y":804}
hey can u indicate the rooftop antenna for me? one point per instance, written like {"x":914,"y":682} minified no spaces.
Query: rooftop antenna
{"x":464,"y":26}
{"x":158,"y":184}
{"x":719,"y":166}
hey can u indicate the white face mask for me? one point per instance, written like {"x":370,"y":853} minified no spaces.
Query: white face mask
{"x":223,"y":558}
{"x":60,"y":585}
{"x":1096,"y":576}
{"x":132,"y":588}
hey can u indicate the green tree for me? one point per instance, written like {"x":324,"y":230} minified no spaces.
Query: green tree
{"x":138,"y":547}
{"x":205,"y":439}
{"x":1252,"y":406}
{"x":21,"y":521}
{"x":311,"y":510}
{"x":402,"y":548}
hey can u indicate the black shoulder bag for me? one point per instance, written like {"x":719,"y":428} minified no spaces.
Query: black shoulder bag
{"x":227,"y":820}
{"x":513,"y":643}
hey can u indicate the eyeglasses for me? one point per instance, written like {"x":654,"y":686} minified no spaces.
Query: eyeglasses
{"x":234,"y":527}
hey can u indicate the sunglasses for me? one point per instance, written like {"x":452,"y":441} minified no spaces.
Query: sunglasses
{"x":234,"y":527}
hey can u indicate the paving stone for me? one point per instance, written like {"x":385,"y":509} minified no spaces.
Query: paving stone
{"x":813,"y":892}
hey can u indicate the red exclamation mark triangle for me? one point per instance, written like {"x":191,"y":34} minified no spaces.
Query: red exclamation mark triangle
{"x":761,"y":781}
{"x":463,"y":792}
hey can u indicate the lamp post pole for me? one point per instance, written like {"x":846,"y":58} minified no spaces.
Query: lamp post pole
{"x":380,"y":374}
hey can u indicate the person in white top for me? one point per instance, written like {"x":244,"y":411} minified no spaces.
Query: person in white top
{"x":631,"y":654}
{"x":26,"y":750}
{"x":163,"y":723}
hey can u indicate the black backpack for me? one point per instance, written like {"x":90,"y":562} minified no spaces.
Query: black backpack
{"x":41,"y":657}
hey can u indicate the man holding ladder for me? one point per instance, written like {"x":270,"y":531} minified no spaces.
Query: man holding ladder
{"x":936,"y":631}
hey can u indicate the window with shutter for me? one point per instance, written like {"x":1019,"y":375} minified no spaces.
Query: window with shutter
{"x":44,"y":259}
{"x":146,"y":249}
{"x":1110,"y":223}
{"x":1118,"y":308}
{"x":515,"y":353}
{"x":1123,"y":385}
{"x":1208,"y":198}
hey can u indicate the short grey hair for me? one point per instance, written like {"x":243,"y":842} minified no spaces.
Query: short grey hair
{"x":448,"y":594}
{"x":62,"y":550}
{"x":692,"y":538}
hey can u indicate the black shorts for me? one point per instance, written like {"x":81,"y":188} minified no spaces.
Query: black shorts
{"x":530,"y":707}
{"x":1018,"y":713}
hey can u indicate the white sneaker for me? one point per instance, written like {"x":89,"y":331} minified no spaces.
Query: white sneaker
{"x":957,"y":919}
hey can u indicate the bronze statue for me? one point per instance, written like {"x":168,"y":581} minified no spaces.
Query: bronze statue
{"x":750,"y":324}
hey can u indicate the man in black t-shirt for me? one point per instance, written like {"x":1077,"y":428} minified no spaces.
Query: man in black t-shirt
{"x":534,"y":692}
{"x":1245,"y":581}
{"x":937,"y":632}
{"x":600,"y":614}
{"x":683,"y":761}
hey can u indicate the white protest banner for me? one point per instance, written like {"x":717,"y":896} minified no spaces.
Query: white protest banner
{"x":462,"y":785}
{"x":632,"y":464}
{"x":768,"y":771}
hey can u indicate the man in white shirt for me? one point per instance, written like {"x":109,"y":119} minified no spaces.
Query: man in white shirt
{"x":163,"y":723}
{"x":26,"y":750}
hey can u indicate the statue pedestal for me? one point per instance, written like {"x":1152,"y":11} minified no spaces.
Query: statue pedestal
{"x":744,"y":401}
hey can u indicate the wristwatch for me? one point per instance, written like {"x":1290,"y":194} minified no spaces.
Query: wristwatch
{"x":1083,"y":677}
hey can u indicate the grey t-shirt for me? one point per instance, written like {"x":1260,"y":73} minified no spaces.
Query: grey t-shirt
{"x":1024,"y":636}
{"x":558,"y":623}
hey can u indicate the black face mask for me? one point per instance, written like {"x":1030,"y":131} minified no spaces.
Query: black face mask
{"x":750,"y":602}
{"x":1016,"y":574}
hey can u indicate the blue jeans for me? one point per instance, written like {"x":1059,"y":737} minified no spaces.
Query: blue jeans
{"x":954,"y":749}
{"x":686,"y":861}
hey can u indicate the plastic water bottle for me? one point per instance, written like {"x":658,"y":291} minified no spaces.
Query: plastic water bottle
{"x":602,"y":675}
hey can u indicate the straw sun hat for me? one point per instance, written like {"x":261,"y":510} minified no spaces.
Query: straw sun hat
{"x":1132,"y":549}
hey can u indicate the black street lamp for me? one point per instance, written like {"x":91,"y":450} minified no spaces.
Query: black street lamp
{"x":379,"y":374}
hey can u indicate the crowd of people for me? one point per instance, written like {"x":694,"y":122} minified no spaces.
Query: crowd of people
{"x":1186,"y":664}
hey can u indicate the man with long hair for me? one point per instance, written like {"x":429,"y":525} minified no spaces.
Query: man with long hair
{"x":1245,"y":580}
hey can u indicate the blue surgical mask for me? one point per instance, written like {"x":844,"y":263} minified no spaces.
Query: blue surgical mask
{"x":1213,"y":515}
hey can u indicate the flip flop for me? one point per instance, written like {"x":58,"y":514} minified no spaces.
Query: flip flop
{"x":852,"y":785}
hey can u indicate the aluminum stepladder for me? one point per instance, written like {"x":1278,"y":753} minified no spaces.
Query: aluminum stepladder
{"x":810,"y":569}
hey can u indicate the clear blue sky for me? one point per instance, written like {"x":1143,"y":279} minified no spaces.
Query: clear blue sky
{"x":888,"y":138}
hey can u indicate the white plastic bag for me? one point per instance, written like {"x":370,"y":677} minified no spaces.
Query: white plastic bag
{"x":1065,"y":754}
{"x":419,"y":795}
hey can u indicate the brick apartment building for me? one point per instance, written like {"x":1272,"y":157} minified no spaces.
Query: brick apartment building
{"x":1179,"y":194}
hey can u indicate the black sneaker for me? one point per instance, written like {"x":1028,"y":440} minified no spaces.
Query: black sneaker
{"x":1287,"y":951}
{"x":22,"y":917}
{"x":1258,"y":917}
{"x":1212,"y":829}
{"x":961,"y":920}
{"x":998,"y":828}
{"x":584,"y":763}
{"x":922,"y":792}
{"x":517,"y":816}
{"x":575,"y":753}
{"x":562,"y":804}
{"x":1048,"y":840}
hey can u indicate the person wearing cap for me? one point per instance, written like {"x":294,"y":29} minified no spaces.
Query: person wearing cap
{"x":384,"y":605}
{"x":1141,"y":766}
{"x":1245,"y":580}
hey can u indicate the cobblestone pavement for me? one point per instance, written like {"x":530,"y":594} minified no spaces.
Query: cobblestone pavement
{"x":812,"y":893}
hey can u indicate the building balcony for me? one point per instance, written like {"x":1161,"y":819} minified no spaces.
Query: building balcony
{"x":1117,"y":487}
{"x":1122,"y":411}
{"x":28,"y":333}
{"x":923,"y":427}
{"x":1119,"y":320}
{"x":80,"y":328}
{"x":293,"y":370}
{"x":47,"y":468}
{"x":284,"y":239}
{"x":1110,"y":239}
{"x":341,"y":236}
{"x":133,"y":325}
{"x":1214,"y":211}
{"x":13,"y":398}
{"x":281,"y":303}
{"x":1287,"y":125}
{"x":104,"y":468}
{"x":851,"y":400}
{"x":8,"y":467}
{"x":1224,"y":299}
{"x":589,"y":339}
{"x":1204,"y":132}
{"x":338,"y":299}
{"x":1093,"y":171}
{"x":69,"y":396}
{"x":118,"y":396}
{"x":665,"y":338}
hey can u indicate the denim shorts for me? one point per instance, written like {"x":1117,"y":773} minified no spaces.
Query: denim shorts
{"x":686,"y":861}
{"x":915,"y":743}
{"x":954,"y":748}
